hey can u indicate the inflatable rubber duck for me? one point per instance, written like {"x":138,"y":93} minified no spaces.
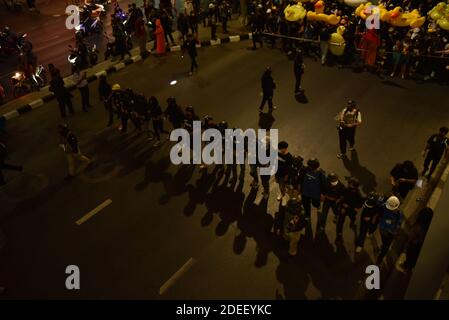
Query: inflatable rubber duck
{"x":398,"y":18}
{"x":354,"y":3}
{"x":337,"y":43}
{"x":440,"y":14}
{"x":364,"y":10}
{"x":319,"y":15}
{"x":295,"y":12}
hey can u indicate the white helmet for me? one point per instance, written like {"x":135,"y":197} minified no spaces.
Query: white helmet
{"x":393,"y":203}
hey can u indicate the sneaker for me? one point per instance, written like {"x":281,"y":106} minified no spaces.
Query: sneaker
{"x":340,"y":155}
{"x":279,"y":198}
{"x":284,"y":201}
{"x":358,"y":249}
{"x":157,"y":144}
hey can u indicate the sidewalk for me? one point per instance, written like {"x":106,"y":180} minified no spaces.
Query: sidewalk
{"x":34,"y":100}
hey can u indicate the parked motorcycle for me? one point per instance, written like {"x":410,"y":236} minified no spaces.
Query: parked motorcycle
{"x":22,"y":84}
{"x":76,"y":60}
{"x":91,"y":23}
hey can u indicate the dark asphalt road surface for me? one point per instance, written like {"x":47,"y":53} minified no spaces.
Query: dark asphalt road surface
{"x":164,"y":216}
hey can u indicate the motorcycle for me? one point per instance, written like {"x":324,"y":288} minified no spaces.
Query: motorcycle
{"x":11,"y":43}
{"x":76,"y":60}
{"x":22,"y":84}
{"x":90,"y":23}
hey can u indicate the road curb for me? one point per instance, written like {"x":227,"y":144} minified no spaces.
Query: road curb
{"x":111,"y":69}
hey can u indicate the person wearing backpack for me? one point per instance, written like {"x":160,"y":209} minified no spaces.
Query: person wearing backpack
{"x":312,"y":184}
{"x":349,"y":119}
{"x":389,"y":224}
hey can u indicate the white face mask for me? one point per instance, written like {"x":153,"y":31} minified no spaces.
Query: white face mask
{"x":334,"y":183}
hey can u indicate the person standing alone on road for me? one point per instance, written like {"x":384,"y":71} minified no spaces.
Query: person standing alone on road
{"x":349,"y":119}
{"x":61,"y":93}
{"x":298,"y":69}
{"x":80,"y":80}
{"x":435,"y":149}
{"x":69,"y":145}
{"x":190,"y":47}
{"x":268,"y":87}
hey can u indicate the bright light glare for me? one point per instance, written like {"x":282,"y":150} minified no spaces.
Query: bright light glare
{"x":173,"y":82}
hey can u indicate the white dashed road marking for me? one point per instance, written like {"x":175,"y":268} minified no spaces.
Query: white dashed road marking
{"x":93,"y":212}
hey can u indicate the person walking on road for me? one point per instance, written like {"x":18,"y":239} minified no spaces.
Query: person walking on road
{"x":80,"y":80}
{"x":160,"y":38}
{"x":6,"y":166}
{"x":389,"y":225}
{"x":157,"y":116}
{"x":293,"y":225}
{"x":174,"y":113}
{"x":61,"y":93}
{"x":369,"y":220}
{"x":190,"y":47}
{"x":349,"y":119}
{"x":298,"y":69}
{"x":435,"y":149}
{"x":268,"y":86}
{"x":312,"y":184}
{"x":69,"y":144}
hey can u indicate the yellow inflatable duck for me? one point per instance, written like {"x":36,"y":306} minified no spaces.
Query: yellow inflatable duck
{"x":440,"y":14}
{"x":398,"y":18}
{"x":319,"y":15}
{"x":354,"y":3}
{"x":366,"y":9}
{"x":337,"y":43}
{"x":295,"y":12}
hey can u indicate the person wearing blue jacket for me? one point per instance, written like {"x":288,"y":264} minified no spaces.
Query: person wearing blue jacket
{"x":389,"y":224}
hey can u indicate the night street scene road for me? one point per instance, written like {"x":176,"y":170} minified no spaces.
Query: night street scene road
{"x":224,"y":150}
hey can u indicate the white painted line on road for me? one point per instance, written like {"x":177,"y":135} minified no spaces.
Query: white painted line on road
{"x":175,"y":277}
{"x":11,"y":114}
{"x":136,"y":58}
{"x":36,"y":104}
{"x":99,"y":74}
{"x":215,"y":42}
{"x":234,"y":38}
{"x":93,"y":212}
{"x":175,"y":48}
{"x":119,"y":66}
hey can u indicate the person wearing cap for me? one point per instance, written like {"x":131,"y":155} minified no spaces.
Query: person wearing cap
{"x":332,"y":192}
{"x":292,"y":225}
{"x":348,"y":206}
{"x":389,"y":224}
{"x":69,"y":144}
{"x":285,"y":160}
{"x":435,"y":149}
{"x":403,"y":178}
{"x":117,"y":100}
{"x":312,"y":184}
{"x":268,"y":87}
{"x":349,"y":119}
{"x":368,"y":220}
{"x":298,"y":69}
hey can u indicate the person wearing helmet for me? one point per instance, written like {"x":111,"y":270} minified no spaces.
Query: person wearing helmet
{"x":293,"y":225}
{"x":332,"y":192}
{"x":349,"y":119}
{"x":369,"y":219}
{"x":298,"y":70}
{"x":403,"y":178}
{"x":116,"y":101}
{"x":174,"y":113}
{"x":312,"y":184}
{"x":268,"y":86}
{"x":349,"y":205}
{"x":389,"y":224}
{"x":69,"y":144}
{"x":435,"y":149}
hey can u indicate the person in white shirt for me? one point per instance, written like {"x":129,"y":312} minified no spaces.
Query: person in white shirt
{"x":349,"y":119}
{"x":80,"y":80}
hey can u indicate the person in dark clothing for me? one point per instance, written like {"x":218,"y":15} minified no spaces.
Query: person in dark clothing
{"x":298,"y":70}
{"x":349,"y":119}
{"x":268,"y":86}
{"x":256,"y":25}
{"x":174,"y":113}
{"x":324,"y":35}
{"x":417,"y":237}
{"x":403,"y":178}
{"x":167,"y":23}
{"x":105,"y":91}
{"x":285,"y":160}
{"x":70,"y":146}
{"x":369,"y":219}
{"x":142,"y":113}
{"x":157,"y":116}
{"x":350,"y":203}
{"x":312,"y":185}
{"x":333,"y":191}
{"x":193,"y":22}
{"x":61,"y":93}
{"x":6,"y":166}
{"x":183,"y":26}
{"x":435,"y":149}
{"x":190,"y":47}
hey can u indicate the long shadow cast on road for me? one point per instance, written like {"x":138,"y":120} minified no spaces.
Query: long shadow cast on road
{"x":366,"y":178}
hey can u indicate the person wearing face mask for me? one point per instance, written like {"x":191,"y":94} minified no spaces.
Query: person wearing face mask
{"x":349,"y":119}
{"x":332,"y":192}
